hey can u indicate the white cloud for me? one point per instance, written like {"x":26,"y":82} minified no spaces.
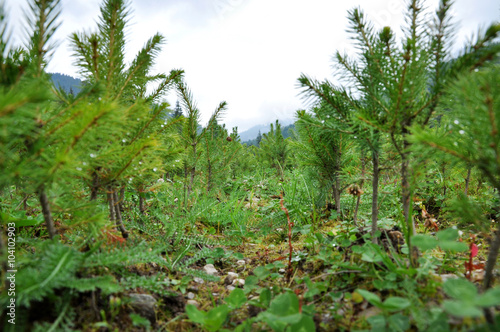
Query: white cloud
{"x":248,"y":52}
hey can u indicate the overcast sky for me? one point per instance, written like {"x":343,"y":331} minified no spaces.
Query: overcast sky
{"x":246,"y":52}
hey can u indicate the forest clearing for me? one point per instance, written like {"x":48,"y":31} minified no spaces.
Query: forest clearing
{"x":380,"y":211}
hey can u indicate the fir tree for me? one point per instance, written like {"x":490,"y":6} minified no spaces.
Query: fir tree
{"x":273,"y":149}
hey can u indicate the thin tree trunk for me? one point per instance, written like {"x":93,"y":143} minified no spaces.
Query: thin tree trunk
{"x":111,"y":204}
{"x":336,"y":195}
{"x":209,"y":180}
{"x":193,"y":172}
{"x":118,"y":214}
{"x":122,"y":197}
{"x":94,"y":189}
{"x":47,"y":215}
{"x":467,"y":181}
{"x":375,"y":182}
{"x":444,"y":179}
{"x":358,"y":200}
{"x":185,"y":183}
{"x":488,"y":270}
{"x":406,"y":195}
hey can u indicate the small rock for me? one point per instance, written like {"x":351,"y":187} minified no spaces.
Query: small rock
{"x":239,"y":282}
{"x":190,"y":295}
{"x":230,"y":288}
{"x":144,"y":305}
{"x":193,"y":302}
{"x":232,"y":274}
{"x":282,"y":271}
{"x":210,"y":269}
{"x":198,"y":280}
{"x":229,"y":279}
{"x":241,"y":262}
{"x":215,"y":294}
{"x":445,"y":277}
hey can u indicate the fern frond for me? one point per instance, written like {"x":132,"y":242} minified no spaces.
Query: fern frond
{"x":56,"y":266}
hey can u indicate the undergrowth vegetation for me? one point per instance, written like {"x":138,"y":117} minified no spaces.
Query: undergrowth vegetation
{"x":380,"y":213}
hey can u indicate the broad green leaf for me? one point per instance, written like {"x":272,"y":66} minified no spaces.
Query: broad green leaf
{"x":424,"y":242}
{"x":370,"y":297}
{"x":460,"y":289}
{"x":378,"y":323}
{"x":261,"y":272}
{"x":449,"y":234}
{"x":285,"y":304}
{"x":250,"y":284}
{"x":395,"y":303}
{"x":273,"y":321}
{"x":238,"y":255}
{"x":398,"y":322}
{"x":195,"y":315}
{"x":236,"y":299}
{"x":305,"y":324}
{"x":462,"y":309}
{"x":454,"y":246}
{"x":371,"y":256}
{"x":216,"y":317}
{"x":490,"y":298}
{"x":265,"y":297}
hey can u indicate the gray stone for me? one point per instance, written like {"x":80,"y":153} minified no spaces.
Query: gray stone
{"x":198,"y":280}
{"x":210,"y":269}
{"x":190,"y":295}
{"x":193,"y":302}
{"x":241,"y":262}
{"x":239,"y":282}
{"x":144,"y":305}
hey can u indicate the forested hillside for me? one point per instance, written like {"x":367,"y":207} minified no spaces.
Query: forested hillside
{"x":377,"y":210}
{"x":68,"y":83}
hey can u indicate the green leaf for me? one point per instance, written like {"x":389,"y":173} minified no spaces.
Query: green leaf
{"x":378,"y":323}
{"x":453,"y":246}
{"x":305,"y":324}
{"x":236,"y":299}
{"x":398,"y":322}
{"x":395,"y":303}
{"x":460,"y":289}
{"x":449,"y":234}
{"x":195,"y":315}
{"x":265,"y":297}
{"x":371,"y":256}
{"x":138,"y":320}
{"x":261,"y":272}
{"x":490,"y":298}
{"x":424,"y":242}
{"x":274,"y":321}
{"x":462,"y":309}
{"x":216,"y":317}
{"x":238,"y":255}
{"x":370,"y":297}
{"x":285,"y":304}
{"x":250,"y":284}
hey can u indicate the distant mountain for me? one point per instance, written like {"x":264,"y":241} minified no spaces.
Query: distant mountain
{"x":67,"y":83}
{"x":286,"y":131}
{"x":252,"y":133}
